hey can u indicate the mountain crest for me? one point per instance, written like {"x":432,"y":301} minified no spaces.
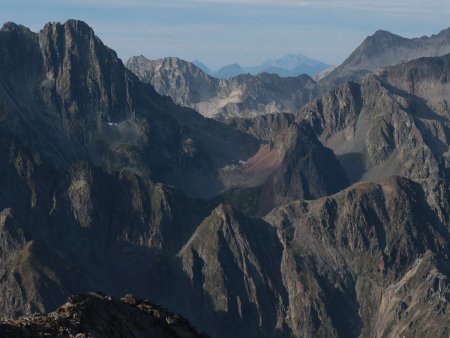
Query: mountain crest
{"x":12,"y":26}
{"x":383,"y":49}
{"x":381,"y":33}
{"x":85,"y":73}
{"x":95,"y":314}
{"x":72,"y":24}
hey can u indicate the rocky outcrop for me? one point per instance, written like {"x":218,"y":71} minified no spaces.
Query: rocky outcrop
{"x":95,"y":314}
{"x":241,"y":96}
{"x":416,"y":305}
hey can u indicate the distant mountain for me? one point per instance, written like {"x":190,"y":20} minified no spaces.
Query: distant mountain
{"x":244,"y":96}
{"x":247,"y":95}
{"x":292,"y":65}
{"x":227,"y":72}
{"x":241,"y":96}
{"x":384,"y":49}
{"x":202,"y":66}
{"x":289,"y":65}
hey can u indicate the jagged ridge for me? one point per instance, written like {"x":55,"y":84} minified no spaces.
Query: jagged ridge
{"x":95,"y":314}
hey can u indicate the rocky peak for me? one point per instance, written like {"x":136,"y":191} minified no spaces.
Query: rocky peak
{"x":77,"y":28}
{"x":183,"y":81}
{"x":12,"y":26}
{"x":85,"y":74}
{"x":142,"y":64}
{"x":383,"y":49}
{"x":382,"y":34}
{"x":377,"y":44}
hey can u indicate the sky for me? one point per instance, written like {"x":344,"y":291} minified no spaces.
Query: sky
{"x":221,"y":32}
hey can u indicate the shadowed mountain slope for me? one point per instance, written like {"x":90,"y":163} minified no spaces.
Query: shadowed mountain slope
{"x":377,"y":130}
{"x":67,"y":95}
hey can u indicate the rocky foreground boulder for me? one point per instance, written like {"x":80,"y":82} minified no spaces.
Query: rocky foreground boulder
{"x":98,"y":315}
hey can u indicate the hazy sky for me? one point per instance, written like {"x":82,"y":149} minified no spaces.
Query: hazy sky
{"x":220,"y":32}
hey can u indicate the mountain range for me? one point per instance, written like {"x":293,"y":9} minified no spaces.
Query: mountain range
{"x":384,"y":49}
{"x":289,"y":65}
{"x":247,"y":95}
{"x":327,"y":216}
{"x":243,"y":95}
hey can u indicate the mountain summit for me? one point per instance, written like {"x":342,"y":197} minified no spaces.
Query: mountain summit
{"x":384,"y":49}
{"x":289,"y":65}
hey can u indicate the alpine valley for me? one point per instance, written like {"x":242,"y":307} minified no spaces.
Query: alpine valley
{"x":255,"y":206}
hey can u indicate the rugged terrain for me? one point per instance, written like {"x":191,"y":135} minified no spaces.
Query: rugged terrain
{"x":393,"y":123}
{"x":247,"y":229}
{"x":241,"y":96}
{"x":249,"y":96}
{"x":100,"y":173}
{"x":384,"y":49}
{"x":97,"y":315}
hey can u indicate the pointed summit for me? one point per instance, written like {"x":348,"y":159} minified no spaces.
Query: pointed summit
{"x":383,"y":49}
{"x":381,"y":33}
{"x":86,"y":74}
